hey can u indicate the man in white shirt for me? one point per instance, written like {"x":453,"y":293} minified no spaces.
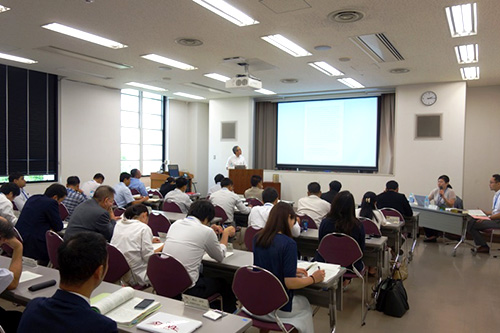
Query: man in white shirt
{"x":227,"y":200}
{"x":259,"y":214}
{"x":257,"y":187}
{"x":312,"y":205}
{"x":218,"y":178}
{"x":494,"y":223}
{"x":179,"y":195}
{"x":88,"y":188}
{"x":8,"y":193}
{"x":236,"y":159}
{"x":20,"y":200}
{"x":123,"y":196}
{"x":189,"y":239}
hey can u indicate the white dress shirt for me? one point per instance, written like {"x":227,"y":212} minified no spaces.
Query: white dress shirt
{"x":180,"y":198}
{"x":258,"y":218}
{"x":213,"y":189}
{"x":314,"y":207}
{"x":123,"y":196}
{"x":227,"y":200}
{"x":21,"y":199}
{"x":89,"y":188}
{"x":135,"y":240}
{"x":232,"y":161}
{"x":188,"y":240}
{"x":6,"y":278}
{"x":379,"y":221}
{"x":496,"y":203}
{"x":7,"y":210}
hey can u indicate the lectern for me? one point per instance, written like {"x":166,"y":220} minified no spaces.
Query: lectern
{"x":241,"y":178}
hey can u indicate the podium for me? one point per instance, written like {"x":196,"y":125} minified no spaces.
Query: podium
{"x":241,"y":180}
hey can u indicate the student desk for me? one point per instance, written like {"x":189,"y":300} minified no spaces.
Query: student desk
{"x":22,"y":295}
{"x":172,"y":217}
{"x":316,"y":293}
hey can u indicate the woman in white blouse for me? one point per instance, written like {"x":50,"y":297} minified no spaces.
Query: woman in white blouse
{"x":369,"y":210}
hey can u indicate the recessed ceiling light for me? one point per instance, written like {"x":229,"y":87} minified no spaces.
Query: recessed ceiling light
{"x":3,"y":9}
{"x":325,"y":68}
{"x":85,"y":57}
{"x":62,"y":29}
{"x":286,"y":45}
{"x":76,"y":71}
{"x":289,"y":81}
{"x":169,"y":62}
{"x":17,"y":59}
{"x":265,"y":91}
{"x":462,"y":19}
{"x":145,"y":86}
{"x":189,"y":41}
{"x":188,"y":95}
{"x":351,"y":83}
{"x":467,"y":54}
{"x":470,"y":73}
{"x":217,"y":77}
{"x":322,"y":48}
{"x":225,"y":10}
{"x":399,"y":70}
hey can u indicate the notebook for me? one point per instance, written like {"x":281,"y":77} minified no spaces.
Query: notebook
{"x":330,"y":269}
{"x":166,"y":322}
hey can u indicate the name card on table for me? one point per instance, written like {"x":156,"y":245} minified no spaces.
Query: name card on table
{"x":195,"y":302}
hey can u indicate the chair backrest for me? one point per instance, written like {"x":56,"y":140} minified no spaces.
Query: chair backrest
{"x":340,"y":249}
{"x":370,"y":226}
{"x":249,"y":235}
{"x":310,"y":222}
{"x":118,"y":211}
{"x":158,"y":222}
{"x":53,"y":241}
{"x":220,"y":212}
{"x":155,"y":192}
{"x":117,"y":265}
{"x":258,"y":290}
{"x":167,"y":275}
{"x":171,"y":207}
{"x":7,"y":250}
{"x":391,"y":213}
{"x":459,"y":203}
{"x":134,"y":191}
{"x":254,"y":202}
{"x":63,"y":211}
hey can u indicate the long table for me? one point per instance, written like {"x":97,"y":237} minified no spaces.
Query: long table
{"x":22,"y":295}
{"x":321,"y":294}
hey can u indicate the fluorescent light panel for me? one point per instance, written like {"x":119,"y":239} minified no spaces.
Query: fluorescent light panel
{"x":286,"y":45}
{"x":145,"y":86}
{"x":265,"y":92}
{"x":462,"y":19}
{"x":63,"y":29}
{"x":85,"y":57}
{"x":325,"y":68}
{"x":467,"y":54}
{"x":17,"y":59}
{"x":228,"y":12}
{"x":3,"y":9}
{"x":169,"y":62}
{"x":351,"y":83}
{"x":217,"y":77}
{"x":469,"y":73}
{"x":188,"y":95}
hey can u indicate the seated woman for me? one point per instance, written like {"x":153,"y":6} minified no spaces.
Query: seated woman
{"x":370,"y":211}
{"x":134,"y":238}
{"x":444,"y":197}
{"x":341,"y":218}
{"x":276,"y":251}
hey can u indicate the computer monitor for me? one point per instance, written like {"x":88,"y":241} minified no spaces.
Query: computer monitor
{"x":240,"y":167}
{"x":173,"y":170}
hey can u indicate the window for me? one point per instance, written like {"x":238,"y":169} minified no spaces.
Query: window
{"x":142,"y":131}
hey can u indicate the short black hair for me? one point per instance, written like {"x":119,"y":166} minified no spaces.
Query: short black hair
{"x":56,"y":190}
{"x":313,"y":188}
{"x":269,"y":194}
{"x":170,"y":180}
{"x":80,"y":256}
{"x":392,"y":185}
{"x":218,"y":178}
{"x":6,"y":229}
{"x":181,"y":182}
{"x":202,"y":209}
{"x":103,"y":192}
{"x":235,"y":148}
{"x":497,"y":177}
{"x":15,"y":175}
{"x":133,"y":172}
{"x":445,"y":178}
{"x":124,"y":175}
{"x":256,"y":179}
{"x":335,"y":186}
{"x":99,"y":176}
{"x":135,"y":210}
{"x":226,"y":182}
{"x":73,"y":180}
{"x":10,"y":187}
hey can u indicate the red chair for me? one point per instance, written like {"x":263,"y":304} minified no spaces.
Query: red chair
{"x":370,"y":227}
{"x":343,"y":250}
{"x":155,"y":192}
{"x":7,"y":250}
{"x":171,"y":207}
{"x":254,"y":202}
{"x":249,"y":235}
{"x":310,"y":222}
{"x":271,"y":296}
{"x":134,"y":191}
{"x":53,"y":241}
{"x":220,"y":212}
{"x":117,"y":266}
{"x":63,"y":211}
{"x":118,"y":211}
{"x":391,"y":213}
{"x":158,"y":223}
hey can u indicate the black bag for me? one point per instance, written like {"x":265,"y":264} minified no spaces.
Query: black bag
{"x":392,"y":299}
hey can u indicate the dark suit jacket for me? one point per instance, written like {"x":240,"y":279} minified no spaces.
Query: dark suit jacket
{"x":398,"y":201}
{"x":64,"y":312}
{"x":39,"y":214}
{"x":328,"y":196}
{"x":89,"y":216}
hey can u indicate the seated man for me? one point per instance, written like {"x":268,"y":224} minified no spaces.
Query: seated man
{"x":494,"y":223}
{"x":94,"y":214}
{"x":40,"y":213}
{"x":227,"y":200}
{"x":312,"y":205}
{"x":123,"y":196}
{"x":75,"y":195}
{"x":218,"y":178}
{"x":8,"y":193}
{"x":18,"y":179}
{"x":83,"y":263}
{"x":335,"y":187}
{"x":189,"y":239}
{"x":136,"y":184}
{"x":88,"y":188}
{"x":259,"y":214}
{"x":391,"y":198}
{"x":257,"y":187}
{"x":9,"y":278}
{"x":168,"y":186}
{"x":179,"y":195}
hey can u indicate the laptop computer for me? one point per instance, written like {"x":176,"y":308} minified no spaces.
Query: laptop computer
{"x":240,"y":167}
{"x":173,"y":170}
{"x":420,"y":200}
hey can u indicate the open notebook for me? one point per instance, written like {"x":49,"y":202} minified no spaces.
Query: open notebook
{"x":207,"y":257}
{"x":330,"y":269}
{"x":166,"y":322}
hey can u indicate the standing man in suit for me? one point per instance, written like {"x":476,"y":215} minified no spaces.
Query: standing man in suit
{"x":391,"y":198}
{"x":83,"y":263}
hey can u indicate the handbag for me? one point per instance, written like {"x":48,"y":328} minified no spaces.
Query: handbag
{"x":392,"y":299}
{"x":400,"y":271}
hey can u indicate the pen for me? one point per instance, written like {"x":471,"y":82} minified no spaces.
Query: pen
{"x":319,"y":268}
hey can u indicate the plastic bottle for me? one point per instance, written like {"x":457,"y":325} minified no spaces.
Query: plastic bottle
{"x":305,"y":224}
{"x":411,"y":199}
{"x":426,"y":202}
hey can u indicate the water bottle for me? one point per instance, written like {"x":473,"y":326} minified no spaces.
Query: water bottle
{"x":426,"y":202}
{"x":411,"y":199}
{"x":305,"y":225}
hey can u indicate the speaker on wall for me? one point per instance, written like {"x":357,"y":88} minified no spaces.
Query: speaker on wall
{"x":428,"y":126}
{"x":228,"y":130}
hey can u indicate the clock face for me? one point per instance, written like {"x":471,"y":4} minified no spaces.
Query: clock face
{"x":428,"y":98}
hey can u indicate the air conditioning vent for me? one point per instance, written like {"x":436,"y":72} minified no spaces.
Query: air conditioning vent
{"x":378,"y":47}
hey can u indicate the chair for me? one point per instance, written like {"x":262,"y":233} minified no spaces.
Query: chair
{"x":171,"y":207}
{"x":271,"y":296}
{"x":491,"y":232}
{"x":343,"y":250}
{"x":7,"y":250}
{"x":134,"y":191}
{"x":158,"y":223}
{"x":118,"y":211}
{"x":53,"y":241}
{"x":249,"y":235}
{"x":117,"y":265}
{"x":310,"y":222}
{"x":220,"y":212}
{"x":370,"y":227}
{"x":254,"y":202}
{"x":63,"y":211}
{"x":391,"y":214}
{"x":155,"y":192}
{"x":170,"y":278}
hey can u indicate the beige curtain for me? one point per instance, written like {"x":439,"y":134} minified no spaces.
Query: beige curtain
{"x":266,"y":114}
{"x":387,"y":126}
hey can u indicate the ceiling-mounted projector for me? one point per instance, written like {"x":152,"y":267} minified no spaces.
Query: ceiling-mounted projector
{"x":244,"y":81}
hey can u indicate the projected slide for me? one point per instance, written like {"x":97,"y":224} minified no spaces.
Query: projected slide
{"x":339,"y":133}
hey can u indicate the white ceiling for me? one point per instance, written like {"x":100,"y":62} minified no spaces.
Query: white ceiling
{"x":417,"y":28}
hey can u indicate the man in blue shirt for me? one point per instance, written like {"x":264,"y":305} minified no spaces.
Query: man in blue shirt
{"x":136,"y":184}
{"x":75,"y":195}
{"x":123,"y":196}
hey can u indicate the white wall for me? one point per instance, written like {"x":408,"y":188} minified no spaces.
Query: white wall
{"x":178,"y":133}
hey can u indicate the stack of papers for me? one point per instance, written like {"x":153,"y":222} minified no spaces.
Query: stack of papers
{"x":166,"y":322}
